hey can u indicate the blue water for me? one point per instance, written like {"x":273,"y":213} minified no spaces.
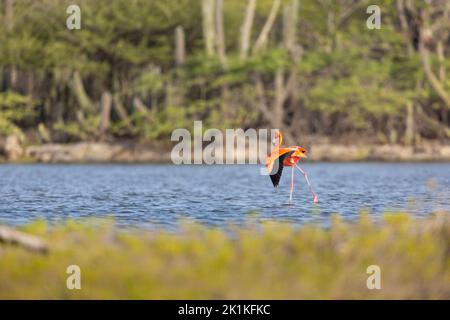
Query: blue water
{"x":161,"y":195}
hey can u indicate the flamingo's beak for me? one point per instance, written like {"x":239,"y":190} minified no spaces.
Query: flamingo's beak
{"x":303,"y":155}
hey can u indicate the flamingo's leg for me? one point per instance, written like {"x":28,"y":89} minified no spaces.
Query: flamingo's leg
{"x":292,"y":183}
{"x":315,"y":199}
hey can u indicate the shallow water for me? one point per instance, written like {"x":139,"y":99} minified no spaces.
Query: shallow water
{"x":161,"y":195}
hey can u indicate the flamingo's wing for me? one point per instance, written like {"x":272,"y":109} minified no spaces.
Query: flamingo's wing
{"x":277,"y":169}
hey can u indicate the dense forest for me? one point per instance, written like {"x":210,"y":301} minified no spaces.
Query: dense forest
{"x":138,"y":69}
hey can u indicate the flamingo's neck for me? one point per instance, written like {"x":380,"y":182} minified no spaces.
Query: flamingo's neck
{"x":279,"y":137}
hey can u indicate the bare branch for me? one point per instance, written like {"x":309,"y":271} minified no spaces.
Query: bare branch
{"x":220,"y":33}
{"x":22,"y":239}
{"x":246,"y":29}
{"x":262,"y":38}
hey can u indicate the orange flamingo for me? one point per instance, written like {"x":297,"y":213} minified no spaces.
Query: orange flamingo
{"x":286,"y":157}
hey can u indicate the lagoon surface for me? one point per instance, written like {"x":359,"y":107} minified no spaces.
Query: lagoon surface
{"x":160,"y":195}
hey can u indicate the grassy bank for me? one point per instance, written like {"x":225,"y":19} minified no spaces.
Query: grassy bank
{"x":270,"y":261}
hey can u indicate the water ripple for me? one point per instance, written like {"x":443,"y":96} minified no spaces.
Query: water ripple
{"x":161,"y":195}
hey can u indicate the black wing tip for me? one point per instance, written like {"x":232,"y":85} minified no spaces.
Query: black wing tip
{"x":275,"y":178}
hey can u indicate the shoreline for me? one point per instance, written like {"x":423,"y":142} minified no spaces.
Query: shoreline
{"x":98,"y":152}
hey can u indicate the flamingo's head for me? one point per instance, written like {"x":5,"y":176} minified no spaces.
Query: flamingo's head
{"x":301,"y":152}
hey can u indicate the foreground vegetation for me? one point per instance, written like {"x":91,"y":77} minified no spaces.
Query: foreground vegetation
{"x":270,"y":261}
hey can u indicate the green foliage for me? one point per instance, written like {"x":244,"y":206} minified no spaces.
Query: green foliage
{"x":269,"y":62}
{"x":348,"y":75}
{"x":81,"y":130}
{"x":361,"y":89}
{"x":13,"y":109}
{"x":272,"y":261}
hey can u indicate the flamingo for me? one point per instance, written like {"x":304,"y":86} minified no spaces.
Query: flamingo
{"x":286,"y":157}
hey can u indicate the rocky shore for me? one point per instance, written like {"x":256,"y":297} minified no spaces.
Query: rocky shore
{"x":97,"y":152}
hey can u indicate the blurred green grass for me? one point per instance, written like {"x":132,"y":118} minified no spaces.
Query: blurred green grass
{"x":269,"y":261}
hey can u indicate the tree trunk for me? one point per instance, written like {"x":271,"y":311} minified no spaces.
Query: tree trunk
{"x":139,"y":105}
{"x":404,"y":24}
{"x":277,"y":113}
{"x":208,"y":25}
{"x":440,"y":129}
{"x":13,"y":77}
{"x":174,"y":94}
{"x":80,"y":93}
{"x":9,"y":14}
{"x":409,"y":132}
{"x":331,"y":30}
{"x":30,"y":88}
{"x":432,"y":79}
{"x":121,"y":111}
{"x":220,"y":33}
{"x":290,"y":20}
{"x":441,"y":58}
{"x":274,"y":115}
{"x":106,"y":102}
{"x":437,"y":86}
{"x":9,"y":25}
{"x":262,"y":38}
{"x":246,"y":29}
{"x":142,"y":108}
{"x":180,"y":49}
